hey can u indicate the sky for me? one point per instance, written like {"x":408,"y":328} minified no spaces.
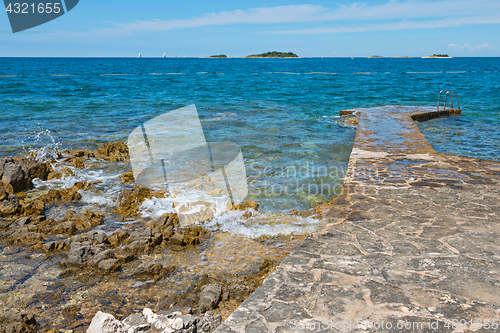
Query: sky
{"x":310,"y":28}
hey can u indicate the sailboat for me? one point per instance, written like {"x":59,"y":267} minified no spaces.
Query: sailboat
{"x":139,"y":55}
{"x":164,"y":56}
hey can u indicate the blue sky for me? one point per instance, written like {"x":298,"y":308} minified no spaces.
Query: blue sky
{"x":310,"y":28}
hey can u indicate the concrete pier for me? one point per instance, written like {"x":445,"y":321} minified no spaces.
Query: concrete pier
{"x":410,"y":245}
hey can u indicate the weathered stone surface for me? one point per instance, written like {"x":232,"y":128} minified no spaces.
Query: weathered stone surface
{"x":412,"y":238}
{"x":106,"y":323}
{"x":80,"y":253}
{"x":9,"y":206}
{"x":113,"y":152}
{"x":210,"y":297}
{"x":14,"y":173}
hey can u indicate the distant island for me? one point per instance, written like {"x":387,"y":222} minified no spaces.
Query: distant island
{"x":438,"y":56}
{"x":274,"y":54}
{"x":376,"y":56}
{"x":218,"y":56}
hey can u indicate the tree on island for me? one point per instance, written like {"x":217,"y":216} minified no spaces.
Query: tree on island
{"x":274,"y":54}
{"x":218,"y":56}
{"x":441,"y":55}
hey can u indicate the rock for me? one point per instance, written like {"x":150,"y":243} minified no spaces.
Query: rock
{"x":142,"y":233}
{"x":209,"y":322}
{"x":127,"y":177}
{"x":3,"y":192}
{"x":118,"y":237}
{"x":85,"y":220}
{"x":104,"y":255}
{"x":210,"y":297}
{"x":23,"y":222}
{"x":137,"y":322}
{"x":64,"y":228}
{"x":33,"y":208}
{"x":40,"y":170}
{"x":129,"y":200}
{"x":15,"y":174}
{"x":82,"y":153}
{"x":54,"y":246}
{"x":109,"y":265}
{"x":17,"y":322}
{"x":152,"y":270}
{"x":106,"y":323}
{"x":75,"y":162}
{"x":101,"y":237}
{"x":9,"y":206}
{"x":177,"y":239}
{"x":80,"y":253}
{"x":113,"y":152}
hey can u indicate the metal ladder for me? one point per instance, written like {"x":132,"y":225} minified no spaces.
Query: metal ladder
{"x":448,"y":92}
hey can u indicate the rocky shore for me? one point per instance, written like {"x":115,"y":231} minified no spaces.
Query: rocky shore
{"x":79,"y":255}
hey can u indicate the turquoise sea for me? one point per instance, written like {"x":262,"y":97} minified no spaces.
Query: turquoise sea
{"x":283,"y":113}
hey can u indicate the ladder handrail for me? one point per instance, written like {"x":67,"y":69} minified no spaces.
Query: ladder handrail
{"x":446,"y":97}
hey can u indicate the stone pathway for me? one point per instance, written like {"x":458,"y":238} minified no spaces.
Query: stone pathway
{"x":411,"y":244}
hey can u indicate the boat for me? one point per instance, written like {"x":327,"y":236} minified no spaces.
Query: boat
{"x":164,"y":56}
{"x":139,"y":55}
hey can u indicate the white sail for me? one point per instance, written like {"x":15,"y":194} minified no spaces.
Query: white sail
{"x":139,"y":55}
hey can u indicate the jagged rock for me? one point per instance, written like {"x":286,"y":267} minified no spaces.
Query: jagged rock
{"x":127,"y":177}
{"x":209,"y":322}
{"x":104,"y":255}
{"x":39,"y":170}
{"x":210,"y":297}
{"x":85,"y":220}
{"x":118,"y":237}
{"x":75,"y":162}
{"x":80,"y":253}
{"x":14,"y":173}
{"x":33,"y":208}
{"x":106,"y":323}
{"x":113,"y":152}
{"x":17,"y":322}
{"x":129,"y":201}
{"x":54,"y":246}
{"x":3,"y":192}
{"x":22,"y":222}
{"x":177,"y":239}
{"x":109,"y":265}
{"x":9,"y":206}
{"x":82,"y":153}
{"x":137,"y":322}
{"x":64,"y":228}
{"x":152,"y":270}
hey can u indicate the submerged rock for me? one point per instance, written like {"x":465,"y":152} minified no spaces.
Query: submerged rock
{"x":210,"y":297}
{"x":17,"y":322}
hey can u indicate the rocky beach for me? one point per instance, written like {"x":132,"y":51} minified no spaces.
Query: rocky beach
{"x":68,"y":262}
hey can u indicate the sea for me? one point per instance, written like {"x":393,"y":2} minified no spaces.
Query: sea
{"x":282,"y":113}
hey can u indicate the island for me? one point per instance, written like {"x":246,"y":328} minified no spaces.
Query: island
{"x":218,"y":56}
{"x":438,"y":56}
{"x":375,"y":56}
{"x":274,"y":54}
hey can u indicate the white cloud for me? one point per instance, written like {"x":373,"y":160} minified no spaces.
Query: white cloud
{"x":472,"y":48}
{"x":481,"y":47}
{"x":427,"y":14}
